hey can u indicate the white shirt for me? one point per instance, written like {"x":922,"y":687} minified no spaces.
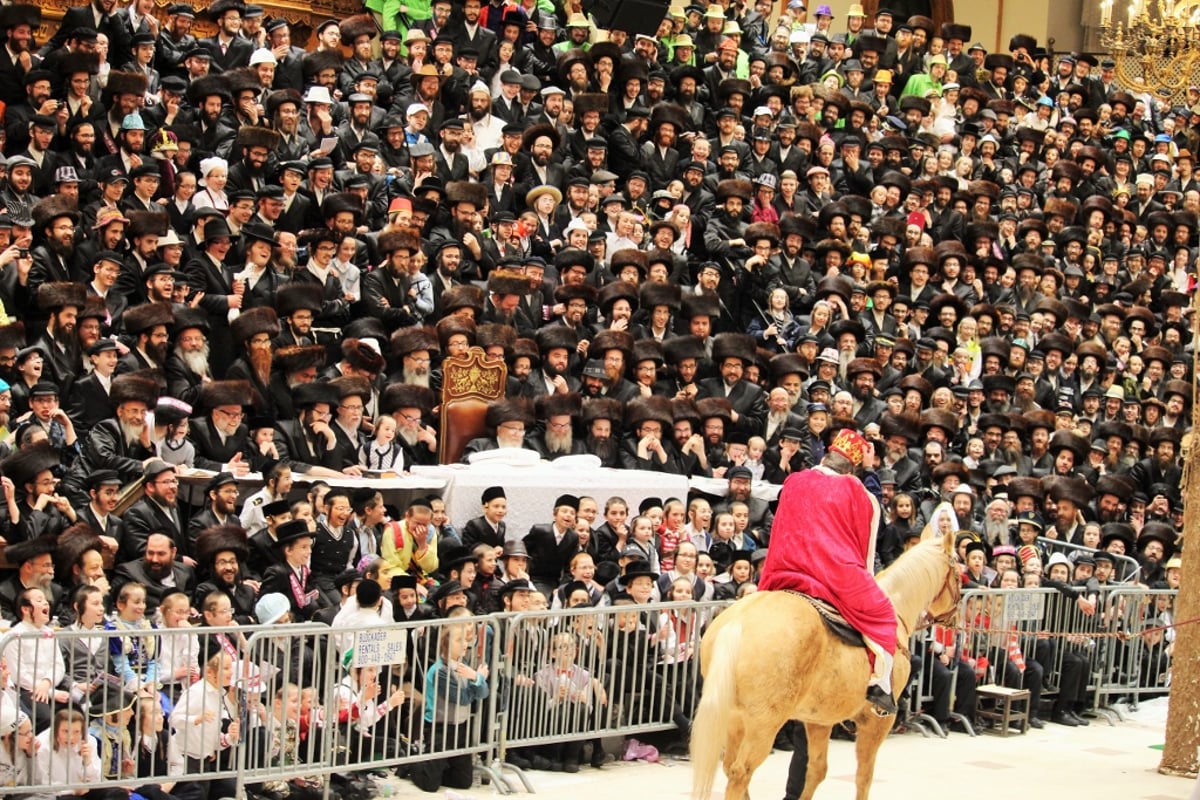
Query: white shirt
{"x":33,"y":657}
{"x":66,"y":766}
{"x":194,"y":737}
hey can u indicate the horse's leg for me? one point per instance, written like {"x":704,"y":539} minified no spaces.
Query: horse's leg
{"x":818,"y":757}
{"x":871,"y":731}
{"x":754,"y":747}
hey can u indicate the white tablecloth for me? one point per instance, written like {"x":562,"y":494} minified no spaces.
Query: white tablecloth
{"x":532,"y":490}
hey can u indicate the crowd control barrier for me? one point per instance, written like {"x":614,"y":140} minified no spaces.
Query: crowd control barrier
{"x":304,"y":710}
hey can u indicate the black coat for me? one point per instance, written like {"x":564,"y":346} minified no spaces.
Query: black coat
{"x":211,"y":453}
{"x":105,"y":448}
{"x":480,"y":531}
{"x":549,"y":560}
{"x":144,"y":518}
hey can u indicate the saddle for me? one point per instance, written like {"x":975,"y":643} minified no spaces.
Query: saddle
{"x":833,"y":620}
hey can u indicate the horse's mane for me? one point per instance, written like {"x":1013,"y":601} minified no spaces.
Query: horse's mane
{"x":918,"y":572}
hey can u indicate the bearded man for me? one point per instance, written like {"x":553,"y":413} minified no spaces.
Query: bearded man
{"x":294,"y":366}
{"x":415,"y":348}
{"x":559,"y":413}
{"x":409,"y":405}
{"x":150,"y":324}
{"x":56,"y":217}
{"x":123,"y":444}
{"x":153,"y":568}
{"x":254,"y":330}
{"x":223,"y":550}
{"x":63,"y":302}
{"x":308,"y":442}
{"x":187,"y":362}
{"x":600,"y":415}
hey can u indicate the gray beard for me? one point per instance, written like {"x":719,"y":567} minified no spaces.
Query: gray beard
{"x":777,"y":418}
{"x":844,"y":359}
{"x":995,"y":531}
{"x":132,"y":434}
{"x":195,"y":361}
{"x":414,"y":379}
{"x":409,"y":438}
{"x":558,"y":443}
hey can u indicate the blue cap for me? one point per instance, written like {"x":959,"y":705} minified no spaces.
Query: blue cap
{"x":813,"y":408}
{"x":133,"y":122}
{"x":4,"y":387}
{"x":1162,"y":138}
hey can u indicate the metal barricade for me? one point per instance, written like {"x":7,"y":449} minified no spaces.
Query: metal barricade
{"x":1136,"y":661}
{"x":101,"y":704}
{"x":931,"y":701}
{"x":576,"y":676}
{"x":411,"y":697}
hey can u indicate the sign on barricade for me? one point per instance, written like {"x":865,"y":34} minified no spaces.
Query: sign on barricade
{"x":380,"y":647}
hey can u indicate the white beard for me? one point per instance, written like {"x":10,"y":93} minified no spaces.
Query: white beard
{"x":132,"y":434}
{"x":414,"y":379}
{"x":410,"y":438}
{"x":196,"y":361}
{"x":558,"y":443}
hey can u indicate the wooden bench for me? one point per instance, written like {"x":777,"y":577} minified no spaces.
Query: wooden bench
{"x":1003,"y":707}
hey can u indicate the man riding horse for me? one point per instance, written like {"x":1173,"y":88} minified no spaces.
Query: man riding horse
{"x":822,"y":545}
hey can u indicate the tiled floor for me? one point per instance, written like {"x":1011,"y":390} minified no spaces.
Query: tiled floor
{"x":1100,"y":762}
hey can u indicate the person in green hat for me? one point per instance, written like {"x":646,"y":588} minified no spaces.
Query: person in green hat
{"x":922,"y":83}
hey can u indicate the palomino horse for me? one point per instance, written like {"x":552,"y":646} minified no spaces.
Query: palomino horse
{"x":769,"y":658}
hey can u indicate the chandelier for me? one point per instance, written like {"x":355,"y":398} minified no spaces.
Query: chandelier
{"x":1155,"y":49}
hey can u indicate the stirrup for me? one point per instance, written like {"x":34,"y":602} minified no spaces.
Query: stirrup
{"x":883,"y":705}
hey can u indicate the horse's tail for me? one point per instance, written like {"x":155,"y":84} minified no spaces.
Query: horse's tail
{"x":710,"y":725}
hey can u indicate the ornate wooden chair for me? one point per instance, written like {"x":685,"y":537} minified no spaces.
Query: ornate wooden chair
{"x":469,"y":383}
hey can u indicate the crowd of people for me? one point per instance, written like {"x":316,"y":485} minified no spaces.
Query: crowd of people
{"x":704,"y":250}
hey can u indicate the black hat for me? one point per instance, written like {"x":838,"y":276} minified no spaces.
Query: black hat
{"x":446,"y":590}
{"x":518,"y":585}
{"x":404,"y":581}
{"x":491,"y":493}
{"x":567,"y":500}
{"x":291,"y":531}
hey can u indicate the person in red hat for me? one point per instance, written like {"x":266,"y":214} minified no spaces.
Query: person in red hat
{"x":824,"y":546}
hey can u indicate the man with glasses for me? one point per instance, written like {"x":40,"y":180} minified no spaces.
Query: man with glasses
{"x":150,"y":324}
{"x":415,"y":348}
{"x":221,"y":439}
{"x":509,"y":420}
{"x":353,"y":394}
{"x":559,"y":413}
{"x":223,"y":551}
{"x":651,"y":446}
{"x":386,"y":292}
{"x":408,"y":405}
{"x":309,"y":443}
{"x":157,"y":512}
{"x":254,"y":331}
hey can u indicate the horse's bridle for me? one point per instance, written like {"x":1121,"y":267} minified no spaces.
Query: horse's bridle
{"x":954,"y":587}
